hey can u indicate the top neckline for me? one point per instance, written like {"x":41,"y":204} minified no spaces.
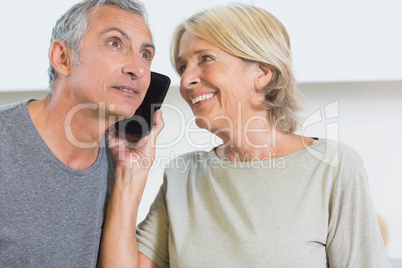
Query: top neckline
{"x":44,"y":148}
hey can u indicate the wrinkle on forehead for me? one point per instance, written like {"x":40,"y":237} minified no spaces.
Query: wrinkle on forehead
{"x":114,"y":17}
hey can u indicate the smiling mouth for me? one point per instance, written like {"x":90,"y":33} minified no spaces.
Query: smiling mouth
{"x":127,"y":90}
{"x":202,"y":98}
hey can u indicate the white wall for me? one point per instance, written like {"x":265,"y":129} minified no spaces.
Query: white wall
{"x":347,"y":41}
{"x":332,"y":41}
{"x":344,"y":40}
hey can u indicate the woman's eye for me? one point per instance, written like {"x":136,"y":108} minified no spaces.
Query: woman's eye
{"x":206,"y":58}
{"x":182,"y":68}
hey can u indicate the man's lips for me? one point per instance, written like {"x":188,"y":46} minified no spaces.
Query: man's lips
{"x":128,"y":89}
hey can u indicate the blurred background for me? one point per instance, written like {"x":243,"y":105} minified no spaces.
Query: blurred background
{"x":347,"y":61}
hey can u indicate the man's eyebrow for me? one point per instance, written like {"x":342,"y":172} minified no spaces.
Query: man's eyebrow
{"x":152,"y":46}
{"x":126,"y":36}
{"x":111,"y":29}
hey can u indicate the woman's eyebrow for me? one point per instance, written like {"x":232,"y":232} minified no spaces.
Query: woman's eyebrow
{"x":178,"y":59}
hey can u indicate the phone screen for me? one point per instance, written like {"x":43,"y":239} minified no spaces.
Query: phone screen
{"x":141,"y":123}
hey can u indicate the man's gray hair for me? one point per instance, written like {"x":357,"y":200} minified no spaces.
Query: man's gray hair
{"x":71,"y":27}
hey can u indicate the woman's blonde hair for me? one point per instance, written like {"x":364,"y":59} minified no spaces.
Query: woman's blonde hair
{"x":253,"y":34}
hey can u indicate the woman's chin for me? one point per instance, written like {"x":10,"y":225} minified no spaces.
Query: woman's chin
{"x":203,"y":122}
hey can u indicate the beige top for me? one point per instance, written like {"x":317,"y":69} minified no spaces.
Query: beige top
{"x":309,"y":209}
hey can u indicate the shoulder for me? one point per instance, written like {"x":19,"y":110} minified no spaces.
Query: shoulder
{"x":338,"y":161}
{"x":9,"y":108}
{"x":10,"y":113}
{"x":187,"y":161}
{"x":346,"y":154}
{"x":188,"y":166}
{"x":334,"y":153}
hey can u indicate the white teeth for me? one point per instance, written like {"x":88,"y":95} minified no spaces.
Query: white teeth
{"x":125,"y":89}
{"x":202,"y":97}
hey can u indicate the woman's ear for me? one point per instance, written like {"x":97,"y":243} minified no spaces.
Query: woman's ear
{"x":263,"y":78}
{"x":60,"y":57}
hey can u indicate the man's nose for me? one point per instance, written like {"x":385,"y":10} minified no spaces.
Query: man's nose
{"x":135,"y":67}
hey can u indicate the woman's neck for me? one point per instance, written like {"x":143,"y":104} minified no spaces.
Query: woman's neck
{"x":261,"y":145}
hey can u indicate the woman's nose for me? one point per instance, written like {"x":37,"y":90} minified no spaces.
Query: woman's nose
{"x":190,"y":78}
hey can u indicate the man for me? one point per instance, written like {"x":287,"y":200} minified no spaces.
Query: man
{"x":55,"y":171}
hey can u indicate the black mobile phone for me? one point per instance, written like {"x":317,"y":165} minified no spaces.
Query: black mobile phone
{"x":141,"y":123}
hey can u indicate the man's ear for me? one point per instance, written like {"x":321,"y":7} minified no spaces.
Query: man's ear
{"x":60,"y":57}
{"x":263,"y":78}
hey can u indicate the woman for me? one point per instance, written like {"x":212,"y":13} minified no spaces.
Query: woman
{"x":267,"y":197}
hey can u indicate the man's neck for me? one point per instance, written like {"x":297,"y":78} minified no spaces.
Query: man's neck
{"x":72,"y":134}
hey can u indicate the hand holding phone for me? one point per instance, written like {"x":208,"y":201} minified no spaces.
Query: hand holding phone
{"x":141,"y":123}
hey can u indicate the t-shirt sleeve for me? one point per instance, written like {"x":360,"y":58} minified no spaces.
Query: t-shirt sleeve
{"x":354,"y":237}
{"x":152,"y":233}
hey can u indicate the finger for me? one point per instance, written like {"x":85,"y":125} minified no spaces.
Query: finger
{"x":115,"y":143}
{"x":157,"y":128}
{"x":110,"y":132}
{"x":158,"y":124}
{"x":115,"y":136}
{"x":132,"y":139}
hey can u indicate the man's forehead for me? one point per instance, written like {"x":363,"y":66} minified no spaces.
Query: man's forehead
{"x":109,"y":18}
{"x":105,"y":15}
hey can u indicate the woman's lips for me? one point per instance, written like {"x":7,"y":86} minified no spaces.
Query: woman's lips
{"x":196,"y":98}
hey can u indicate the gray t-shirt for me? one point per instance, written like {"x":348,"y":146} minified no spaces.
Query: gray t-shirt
{"x":50,"y":215}
{"x":310,"y":209}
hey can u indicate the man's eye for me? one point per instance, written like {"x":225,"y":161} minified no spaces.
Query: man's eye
{"x":146,"y":55}
{"x":114,"y":43}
